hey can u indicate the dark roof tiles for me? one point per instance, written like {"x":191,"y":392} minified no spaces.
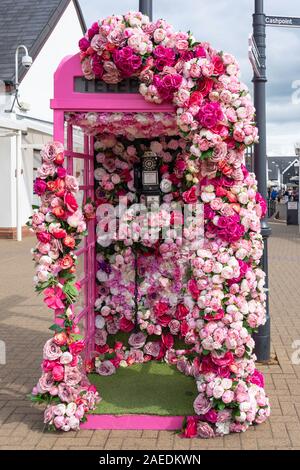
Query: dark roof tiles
{"x":27,"y":22}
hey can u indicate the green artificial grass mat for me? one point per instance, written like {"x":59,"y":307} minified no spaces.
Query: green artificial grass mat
{"x":153,"y":388}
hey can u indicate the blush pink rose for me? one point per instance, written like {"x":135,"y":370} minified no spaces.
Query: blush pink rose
{"x":204,"y":430}
{"x":201,"y":405}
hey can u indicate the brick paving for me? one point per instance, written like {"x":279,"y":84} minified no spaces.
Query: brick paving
{"x":24,"y":326}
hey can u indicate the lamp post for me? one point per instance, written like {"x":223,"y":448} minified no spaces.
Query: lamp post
{"x":145,"y":7}
{"x":27,"y":63}
{"x":262,"y":338}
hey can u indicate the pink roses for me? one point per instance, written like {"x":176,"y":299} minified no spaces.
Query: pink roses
{"x":127,"y":61}
{"x":167,"y":85}
{"x":210,"y":114}
{"x":164,"y":56}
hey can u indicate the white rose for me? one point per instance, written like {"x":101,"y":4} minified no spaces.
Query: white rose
{"x":207,"y":196}
{"x":245,"y":406}
{"x":71,"y":409}
{"x":43,"y":276}
{"x":159,"y":35}
{"x":195,"y":151}
{"x":45,"y":260}
{"x":49,"y":217}
{"x":166,"y":185}
{"x":243,"y":198}
{"x":218,"y":391}
{"x":102,"y":276}
{"x":66,"y":428}
{"x":99,"y":322}
{"x":66,"y":358}
{"x":74,"y":423}
{"x":226,"y":384}
{"x":59,"y":410}
{"x":223,"y":428}
{"x":227,"y":272}
{"x":241,"y":418}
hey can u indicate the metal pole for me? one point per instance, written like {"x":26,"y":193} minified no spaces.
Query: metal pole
{"x":145,"y":7}
{"x":18,"y":185}
{"x":262,"y":338}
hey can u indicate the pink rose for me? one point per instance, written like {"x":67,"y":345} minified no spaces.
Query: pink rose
{"x":58,"y":373}
{"x":190,"y":429}
{"x":59,"y":422}
{"x":71,"y":183}
{"x":39,"y":187}
{"x":190,"y":196}
{"x":51,"y":350}
{"x":228,"y":396}
{"x":87,"y":68}
{"x":152,"y":348}
{"x":201,"y":405}
{"x":106,"y":368}
{"x":84,"y":44}
{"x":126,"y":325}
{"x":167,"y":85}
{"x":257,"y":378}
{"x":137,"y":340}
{"x":66,"y":393}
{"x":47,"y":169}
{"x":126,"y":61}
{"x":204,"y":430}
{"x":72,"y":375}
{"x":52,"y":152}
{"x":174,"y":327}
{"x":46,"y":382}
{"x":164,"y":56}
{"x":48,"y":414}
{"x":210,"y":114}
{"x":97,"y":66}
{"x":76,"y":347}
{"x":211,"y":416}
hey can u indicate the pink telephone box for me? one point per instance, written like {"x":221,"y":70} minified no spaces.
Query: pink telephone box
{"x":74,"y":95}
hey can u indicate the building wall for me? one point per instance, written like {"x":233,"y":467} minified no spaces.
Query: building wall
{"x":37,"y":86}
{"x":37,"y":90}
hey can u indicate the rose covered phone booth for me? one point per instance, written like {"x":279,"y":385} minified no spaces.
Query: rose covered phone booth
{"x":149,"y":237}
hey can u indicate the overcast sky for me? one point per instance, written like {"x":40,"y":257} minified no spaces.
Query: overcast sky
{"x":226,"y":24}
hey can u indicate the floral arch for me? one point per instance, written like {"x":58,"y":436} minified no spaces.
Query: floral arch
{"x":215,"y":305}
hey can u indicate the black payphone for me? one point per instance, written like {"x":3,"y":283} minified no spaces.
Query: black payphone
{"x":147,"y":179}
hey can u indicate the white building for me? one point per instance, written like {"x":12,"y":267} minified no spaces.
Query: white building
{"x":50,"y":29}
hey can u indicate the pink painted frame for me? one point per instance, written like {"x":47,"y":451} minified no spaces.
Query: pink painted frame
{"x":67,"y":100}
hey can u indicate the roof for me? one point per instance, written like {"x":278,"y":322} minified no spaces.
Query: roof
{"x":281,"y":163}
{"x":28,"y":22}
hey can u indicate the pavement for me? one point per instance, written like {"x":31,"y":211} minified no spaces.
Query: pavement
{"x":24,"y":326}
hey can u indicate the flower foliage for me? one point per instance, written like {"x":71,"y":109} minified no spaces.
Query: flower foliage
{"x":216,"y":304}
{"x":198,"y":303}
{"x":59,"y":226}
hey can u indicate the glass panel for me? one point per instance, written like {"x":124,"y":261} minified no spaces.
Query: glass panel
{"x":82,"y":325}
{"x":80,"y":266}
{"x":78,"y":170}
{"x":80,"y":197}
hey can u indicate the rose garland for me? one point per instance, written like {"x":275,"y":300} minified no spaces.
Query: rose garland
{"x":225,"y":292}
{"x":59,"y":226}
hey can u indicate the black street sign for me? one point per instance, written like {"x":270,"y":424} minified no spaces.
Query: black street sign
{"x":254,"y":56}
{"x":284,"y":21}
